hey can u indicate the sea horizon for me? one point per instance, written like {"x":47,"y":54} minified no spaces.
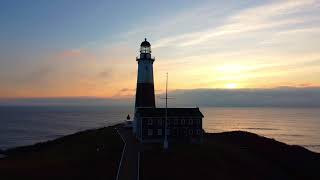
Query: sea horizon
{"x":26,"y":125}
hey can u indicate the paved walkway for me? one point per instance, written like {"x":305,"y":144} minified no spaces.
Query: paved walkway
{"x":129,"y":165}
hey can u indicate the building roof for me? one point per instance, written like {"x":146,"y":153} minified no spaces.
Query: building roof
{"x":160,"y":112}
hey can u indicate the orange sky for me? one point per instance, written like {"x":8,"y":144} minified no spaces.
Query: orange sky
{"x":264,"y":45}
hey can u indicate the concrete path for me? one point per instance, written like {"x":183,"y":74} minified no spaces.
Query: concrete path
{"x":129,"y":165}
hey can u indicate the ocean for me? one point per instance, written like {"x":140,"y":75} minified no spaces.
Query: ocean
{"x":31,"y":124}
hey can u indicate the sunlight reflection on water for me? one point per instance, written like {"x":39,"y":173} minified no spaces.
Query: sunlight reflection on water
{"x":28,"y":125}
{"x":298,"y":126}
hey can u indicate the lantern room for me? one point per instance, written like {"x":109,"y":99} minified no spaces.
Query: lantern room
{"x":145,"y":47}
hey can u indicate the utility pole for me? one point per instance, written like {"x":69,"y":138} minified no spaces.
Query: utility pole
{"x":165,"y":143}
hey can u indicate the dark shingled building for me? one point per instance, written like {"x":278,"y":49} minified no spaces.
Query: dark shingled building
{"x":183,"y":124}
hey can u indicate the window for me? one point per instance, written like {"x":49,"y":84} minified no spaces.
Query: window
{"x":176,"y":122}
{"x":160,"y":122}
{"x":159,"y":132}
{"x":168,"y":121}
{"x":150,"y":132}
{"x":183,"y":121}
{"x":190,"y":121}
{"x":198,"y":131}
{"x":190,"y":131}
{"x":150,"y":121}
{"x":144,"y":49}
{"x":174,"y":132}
{"x":168,"y":132}
{"x":185,"y":132}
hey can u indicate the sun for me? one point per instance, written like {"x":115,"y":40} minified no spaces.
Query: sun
{"x":231,"y":85}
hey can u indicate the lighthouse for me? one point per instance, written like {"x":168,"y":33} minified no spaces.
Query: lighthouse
{"x":145,"y":88}
{"x":145,"y":97}
{"x":151,"y":124}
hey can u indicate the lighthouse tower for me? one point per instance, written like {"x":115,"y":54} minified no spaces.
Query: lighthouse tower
{"x":145,"y":88}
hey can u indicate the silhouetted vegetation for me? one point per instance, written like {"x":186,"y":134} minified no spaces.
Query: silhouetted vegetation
{"x":95,"y":154}
{"x":231,"y":155}
{"x":91,"y":154}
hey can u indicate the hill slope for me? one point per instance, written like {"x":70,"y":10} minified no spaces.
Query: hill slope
{"x":231,"y":155}
{"x":91,"y":154}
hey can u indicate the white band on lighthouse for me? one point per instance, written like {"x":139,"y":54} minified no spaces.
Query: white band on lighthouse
{"x":145,"y":71}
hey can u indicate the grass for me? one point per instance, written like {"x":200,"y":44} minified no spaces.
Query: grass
{"x":91,"y":154}
{"x":231,"y":155}
{"x":95,"y":154}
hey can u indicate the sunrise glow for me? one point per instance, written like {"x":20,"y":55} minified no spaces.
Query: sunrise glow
{"x":231,"y":85}
{"x":266,"y":44}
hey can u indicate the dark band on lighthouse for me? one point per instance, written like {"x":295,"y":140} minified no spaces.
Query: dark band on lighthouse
{"x":145,"y":96}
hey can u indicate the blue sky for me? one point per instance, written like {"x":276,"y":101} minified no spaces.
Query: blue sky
{"x":35,"y":26}
{"x":66,"y":24}
{"x":88,"y":48}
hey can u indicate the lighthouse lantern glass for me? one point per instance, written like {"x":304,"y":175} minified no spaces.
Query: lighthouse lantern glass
{"x":144,"y":49}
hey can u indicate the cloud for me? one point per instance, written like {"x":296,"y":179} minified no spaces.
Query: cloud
{"x":282,"y":96}
{"x":125,"y":93}
{"x":64,"y":101}
{"x":71,"y":53}
{"x":38,"y":75}
{"x":105,"y":74}
{"x":264,"y":70}
{"x":257,"y":44}
{"x":126,"y":90}
{"x":273,"y":97}
{"x":276,"y":15}
{"x":72,"y":72}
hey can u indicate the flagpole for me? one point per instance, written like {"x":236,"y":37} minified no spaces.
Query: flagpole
{"x":165,"y":143}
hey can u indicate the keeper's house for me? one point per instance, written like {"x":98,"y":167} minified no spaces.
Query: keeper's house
{"x":183,"y":124}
